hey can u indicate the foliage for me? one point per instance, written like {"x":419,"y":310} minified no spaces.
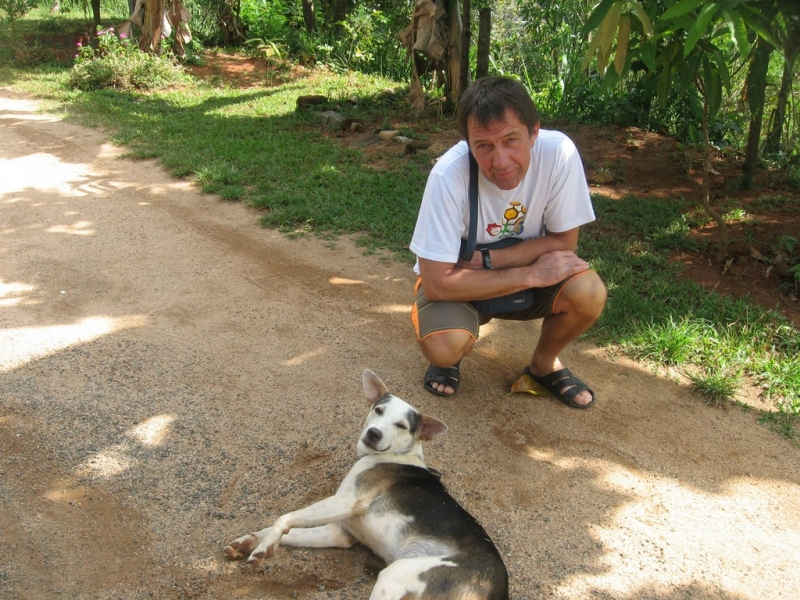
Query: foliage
{"x":264,"y":19}
{"x":117,"y":63}
{"x":13,"y":10}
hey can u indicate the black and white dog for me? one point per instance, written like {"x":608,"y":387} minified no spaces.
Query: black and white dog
{"x":392,"y":503}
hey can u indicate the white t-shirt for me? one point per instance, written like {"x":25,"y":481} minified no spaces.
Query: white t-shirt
{"x":552,"y":196}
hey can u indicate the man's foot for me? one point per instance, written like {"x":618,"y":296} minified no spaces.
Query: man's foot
{"x":565,"y":386}
{"x":443,"y":381}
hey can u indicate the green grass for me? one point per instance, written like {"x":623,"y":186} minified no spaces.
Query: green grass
{"x":252,"y":145}
{"x":656,"y":316}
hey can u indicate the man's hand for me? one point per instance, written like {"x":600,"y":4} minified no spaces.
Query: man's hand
{"x":553,"y":267}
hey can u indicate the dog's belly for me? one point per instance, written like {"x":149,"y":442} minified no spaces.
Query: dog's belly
{"x":390,"y":536}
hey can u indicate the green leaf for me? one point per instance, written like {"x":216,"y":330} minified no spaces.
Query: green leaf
{"x":598,"y":14}
{"x":680,"y":9}
{"x":699,"y":28}
{"x":738,"y":31}
{"x":647,"y":27}
{"x":622,"y":44}
{"x":664,"y":81}
{"x":712,"y":86}
{"x":647,"y":52}
{"x":688,"y":72}
{"x":608,"y":29}
{"x":722,"y":65}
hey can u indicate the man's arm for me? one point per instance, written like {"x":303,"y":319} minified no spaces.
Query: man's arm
{"x":551,"y":260}
{"x":528,"y":252}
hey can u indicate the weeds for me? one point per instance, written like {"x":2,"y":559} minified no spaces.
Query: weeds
{"x":118,"y":63}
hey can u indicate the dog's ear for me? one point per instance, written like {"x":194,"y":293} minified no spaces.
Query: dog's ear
{"x":430,"y":427}
{"x":373,"y":386}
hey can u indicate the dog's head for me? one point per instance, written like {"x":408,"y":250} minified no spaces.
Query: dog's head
{"x":393,"y":426}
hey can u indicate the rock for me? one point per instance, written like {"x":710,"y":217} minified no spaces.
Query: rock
{"x":436,"y":149}
{"x":312,"y":100}
{"x":332,"y":118}
{"x":388,"y":134}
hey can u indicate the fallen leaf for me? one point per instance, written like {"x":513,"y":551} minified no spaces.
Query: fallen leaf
{"x":755,"y":253}
{"x":527,"y":384}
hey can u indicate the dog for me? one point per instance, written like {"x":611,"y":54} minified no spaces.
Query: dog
{"x":391,"y":502}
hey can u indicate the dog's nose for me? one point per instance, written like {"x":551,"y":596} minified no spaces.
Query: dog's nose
{"x":374,"y":434}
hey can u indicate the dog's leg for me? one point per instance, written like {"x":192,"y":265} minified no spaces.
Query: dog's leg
{"x":325,"y":536}
{"x":262,"y":544}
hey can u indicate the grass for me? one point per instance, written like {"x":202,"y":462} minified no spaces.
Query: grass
{"x":251,"y":145}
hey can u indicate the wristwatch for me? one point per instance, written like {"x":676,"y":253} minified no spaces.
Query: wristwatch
{"x":487,"y":260}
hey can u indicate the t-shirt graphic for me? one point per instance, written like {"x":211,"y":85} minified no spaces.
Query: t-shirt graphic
{"x":511,"y":224}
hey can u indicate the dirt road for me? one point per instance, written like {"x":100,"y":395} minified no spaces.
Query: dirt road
{"x":173,"y":376}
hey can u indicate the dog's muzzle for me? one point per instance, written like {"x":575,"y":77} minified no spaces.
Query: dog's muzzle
{"x":372,"y":437}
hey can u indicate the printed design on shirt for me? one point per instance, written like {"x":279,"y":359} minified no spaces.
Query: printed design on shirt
{"x":511,"y":224}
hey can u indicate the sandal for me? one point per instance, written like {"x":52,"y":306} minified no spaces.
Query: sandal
{"x":557,"y":381}
{"x":446,"y":375}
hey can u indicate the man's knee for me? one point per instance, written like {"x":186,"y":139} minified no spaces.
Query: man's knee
{"x":585,"y":295}
{"x":447,"y":348}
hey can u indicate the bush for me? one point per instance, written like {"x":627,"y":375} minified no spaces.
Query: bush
{"x":118,"y":63}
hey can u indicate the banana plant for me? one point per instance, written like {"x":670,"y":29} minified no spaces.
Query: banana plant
{"x":684,"y":44}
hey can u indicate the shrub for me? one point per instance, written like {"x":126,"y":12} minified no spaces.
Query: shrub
{"x":118,"y":63}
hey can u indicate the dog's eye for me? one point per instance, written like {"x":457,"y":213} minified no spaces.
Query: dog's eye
{"x":379,"y":410}
{"x":401,"y":425}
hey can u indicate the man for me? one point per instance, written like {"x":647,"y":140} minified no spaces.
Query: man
{"x":532,"y":186}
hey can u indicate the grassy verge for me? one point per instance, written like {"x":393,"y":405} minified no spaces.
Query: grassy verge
{"x":252,"y":145}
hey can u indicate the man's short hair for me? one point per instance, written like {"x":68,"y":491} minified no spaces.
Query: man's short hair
{"x":488,"y":98}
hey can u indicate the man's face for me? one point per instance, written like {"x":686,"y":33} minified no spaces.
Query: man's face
{"x":502,"y":149}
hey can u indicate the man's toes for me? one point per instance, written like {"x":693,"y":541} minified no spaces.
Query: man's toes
{"x":583,"y":398}
{"x":441,"y":387}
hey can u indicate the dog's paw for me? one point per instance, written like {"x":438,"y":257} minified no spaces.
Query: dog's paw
{"x":241,"y":547}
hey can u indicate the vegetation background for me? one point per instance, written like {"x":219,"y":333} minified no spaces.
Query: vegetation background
{"x":716,"y":79}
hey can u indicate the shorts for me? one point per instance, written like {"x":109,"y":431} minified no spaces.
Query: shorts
{"x":439,"y":317}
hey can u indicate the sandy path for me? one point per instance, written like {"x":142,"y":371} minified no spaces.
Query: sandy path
{"x":172,"y":376}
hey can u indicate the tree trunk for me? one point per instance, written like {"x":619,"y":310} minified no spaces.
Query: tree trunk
{"x":791,"y":52}
{"x":96,"y":13}
{"x":452,"y":66}
{"x":309,"y":16}
{"x":484,"y":39}
{"x":340,"y":9}
{"x":755,"y":93}
{"x":151,"y":26}
{"x":723,"y":230}
{"x":466,"y":35}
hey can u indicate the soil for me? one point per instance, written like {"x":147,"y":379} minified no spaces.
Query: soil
{"x":173,"y":376}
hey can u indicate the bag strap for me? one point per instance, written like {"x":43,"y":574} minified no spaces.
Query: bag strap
{"x":469,"y":249}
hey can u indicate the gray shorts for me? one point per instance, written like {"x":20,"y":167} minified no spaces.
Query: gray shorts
{"x":438,"y":317}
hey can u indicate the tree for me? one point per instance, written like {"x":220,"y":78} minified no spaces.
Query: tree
{"x":683,"y":47}
{"x":787,"y":29}
{"x":466,"y":36}
{"x":151,"y":26}
{"x":309,"y":16}
{"x":433,"y":40}
{"x":484,"y":40}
